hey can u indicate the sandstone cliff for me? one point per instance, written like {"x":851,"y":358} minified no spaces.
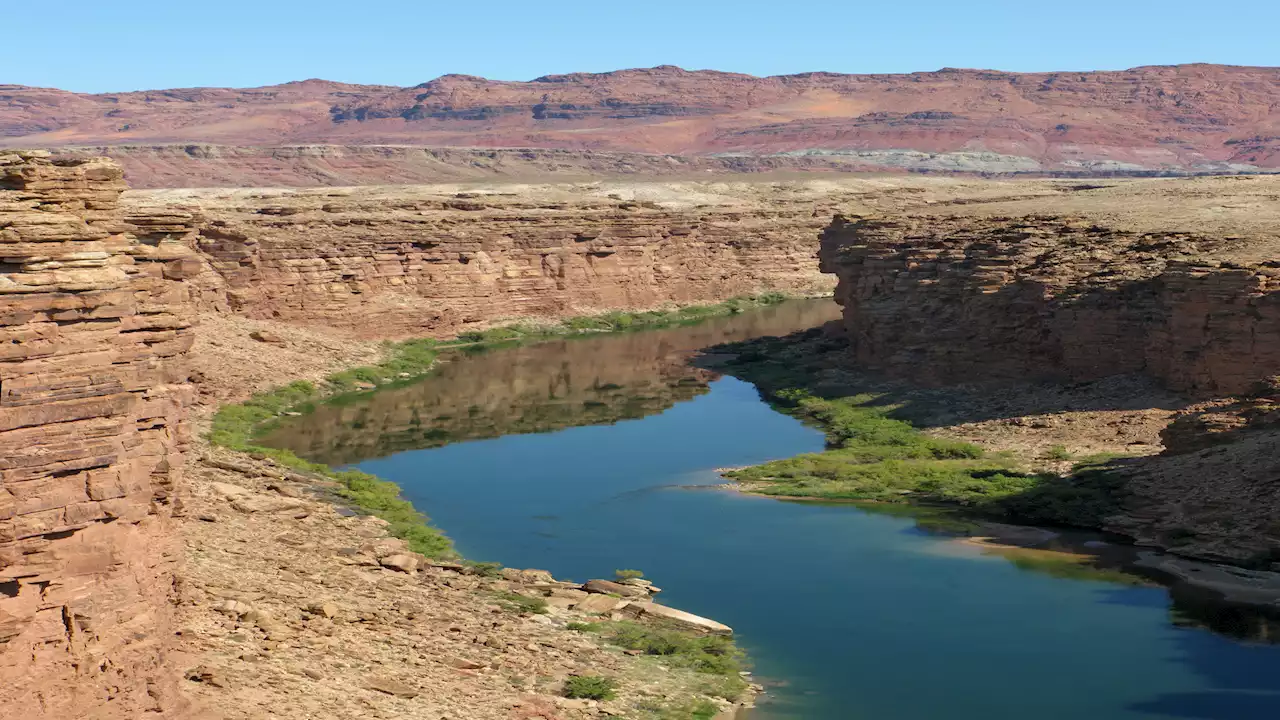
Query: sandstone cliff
{"x":384,"y":262}
{"x":1187,"y":118}
{"x":1177,"y":281}
{"x":953,"y":294}
{"x":92,"y":429}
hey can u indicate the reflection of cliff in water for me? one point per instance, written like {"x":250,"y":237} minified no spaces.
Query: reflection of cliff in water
{"x":1091,"y":556}
{"x":534,"y":388}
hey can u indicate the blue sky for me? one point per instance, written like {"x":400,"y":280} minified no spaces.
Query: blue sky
{"x":101,"y":46}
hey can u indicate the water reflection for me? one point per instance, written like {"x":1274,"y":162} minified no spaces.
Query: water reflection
{"x":533,"y":388}
{"x":1088,"y":556}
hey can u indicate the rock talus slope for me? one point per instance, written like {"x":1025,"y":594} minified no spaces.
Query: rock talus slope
{"x":93,"y":389}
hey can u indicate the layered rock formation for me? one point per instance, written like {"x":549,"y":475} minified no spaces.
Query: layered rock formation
{"x":950,"y":297}
{"x":1187,"y":118}
{"x":426,"y":261}
{"x":92,"y":429}
{"x":1181,"y":284}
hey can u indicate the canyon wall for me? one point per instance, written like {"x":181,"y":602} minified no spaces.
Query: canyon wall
{"x":1181,"y":285}
{"x":92,"y":429}
{"x":419,"y":261}
{"x":950,"y":299}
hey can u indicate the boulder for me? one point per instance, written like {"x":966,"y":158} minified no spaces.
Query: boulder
{"x":233,"y":608}
{"x":266,"y":337}
{"x":613,"y":588}
{"x":327,"y":610}
{"x":392,"y":687}
{"x":404,"y":562}
{"x":599,"y":604}
{"x":680,"y":617}
{"x":255,"y":503}
{"x":562,"y":602}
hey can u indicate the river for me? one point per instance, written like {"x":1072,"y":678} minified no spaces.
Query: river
{"x":582,"y":456}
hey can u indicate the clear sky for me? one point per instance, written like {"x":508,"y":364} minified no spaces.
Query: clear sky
{"x":107,"y":46}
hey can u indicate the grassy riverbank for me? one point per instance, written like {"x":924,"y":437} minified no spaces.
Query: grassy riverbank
{"x":238,"y":426}
{"x":874,"y":456}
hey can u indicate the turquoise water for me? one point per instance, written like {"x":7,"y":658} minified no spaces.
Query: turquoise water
{"x":848,"y":615}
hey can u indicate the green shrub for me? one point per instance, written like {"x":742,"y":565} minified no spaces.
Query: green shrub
{"x":710,"y":654}
{"x":523,"y":604}
{"x":1058,"y":452}
{"x":700,"y":709}
{"x":628,"y":574}
{"x":1083,"y":499}
{"x":590,"y":687}
{"x":486,"y":569}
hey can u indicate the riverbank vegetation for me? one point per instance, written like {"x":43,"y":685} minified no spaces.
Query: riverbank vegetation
{"x":873,"y":455}
{"x":715,"y":656}
{"x":239,"y":426}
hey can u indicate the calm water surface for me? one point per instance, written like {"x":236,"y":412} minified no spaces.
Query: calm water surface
{"x":583,"y":456}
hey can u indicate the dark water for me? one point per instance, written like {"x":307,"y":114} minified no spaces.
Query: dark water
{"x":585,"y":456}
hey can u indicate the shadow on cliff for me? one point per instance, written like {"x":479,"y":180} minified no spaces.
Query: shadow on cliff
{"x":819,"y":361}
{"x":1131,"y":492}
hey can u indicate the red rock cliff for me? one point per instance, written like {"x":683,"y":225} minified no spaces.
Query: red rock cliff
{"x":423,"y":261}
{"x":951,"y":299}
{"x":92,"y":395}
{"x":1191,"y":118}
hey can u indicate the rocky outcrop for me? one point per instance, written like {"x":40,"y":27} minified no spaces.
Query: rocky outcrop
{"x":952,"y":299}
{"x":1185,"y":118}
{"x":92,"y":430}
{"x":973,"y":295}
{"x":426,"y":261}
{"x":1213,"y":493}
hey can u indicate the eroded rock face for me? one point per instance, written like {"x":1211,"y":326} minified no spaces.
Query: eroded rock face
{"x":92,"y":396}
{"x":1153,"y":119}
{"x":966,"y":296}
{"x":425,"y":261}
{"x":952,"y":299}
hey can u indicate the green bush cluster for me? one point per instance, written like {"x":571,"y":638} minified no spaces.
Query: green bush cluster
{"x":1083,"y":499}
{"x":708,"y":654}
{"x":522,"y":604}
{"x":409,"y":358}
{"x":701,"y":709}
{"x":1058,"y":452}
{"x":590,"y":687}
{"x":485,"y":569}
{"x":872,"y":456}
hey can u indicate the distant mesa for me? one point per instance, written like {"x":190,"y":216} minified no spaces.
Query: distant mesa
{"x":1181,"y":119}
